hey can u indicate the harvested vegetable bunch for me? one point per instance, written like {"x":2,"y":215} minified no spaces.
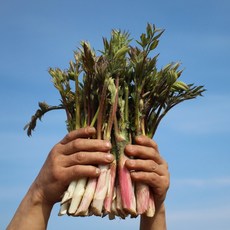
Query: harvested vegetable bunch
{"x":100,"y":90}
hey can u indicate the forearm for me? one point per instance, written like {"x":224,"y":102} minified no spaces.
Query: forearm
{"x":32,"y":213}
{"x":158,"y":222}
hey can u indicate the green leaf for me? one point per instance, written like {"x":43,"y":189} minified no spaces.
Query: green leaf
{"x":149,"y":30}
{"x":144,"y":40}
{"x":179,"y":85}
{"x":121,"y":52}
{"x":171,"y":77}
{"x":154,"y":45}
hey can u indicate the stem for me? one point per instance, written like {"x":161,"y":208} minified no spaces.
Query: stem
{"x":112,"y":113}
{"x":142,"y":190}
{"x":105,"y":179}
{"x":151,"y":207}
{"x":87,"y":198}
{"x":125,"y":182}
{"x":79,"y":184}
{"x":69,"y":193}
{"x":126,"y":104}
{"x":77,"y":195}
{"x":142,"y":196}
{"x":110,"y":193}
{"x":38,"y":115}
{"x":119,"y":207}
{"x":101,"y":190}
{"x":137,"y":111}
{"x":101,"y":109}
{"x":77,"y":103}
{"x":94,"y":118}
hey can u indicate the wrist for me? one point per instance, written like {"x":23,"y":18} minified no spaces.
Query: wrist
{"x":160,"y":209}
{"x":37,"y":197}
{"x":157,"y":222}
{"x":32,"y":213}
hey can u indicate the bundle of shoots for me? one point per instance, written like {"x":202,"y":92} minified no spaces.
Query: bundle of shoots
{"x":121,"y":92}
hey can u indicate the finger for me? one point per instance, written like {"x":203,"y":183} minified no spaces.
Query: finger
{"x":88,"y":158}
{"x":145,"y":166}
{"x":159,"y":183}
{"x":143,"y":152}
{"x":89,"y":145}
{"x":146,"y":141}
{"x":78,"y":133}
{"x":150,"y":178}
{"x":81,"y":171}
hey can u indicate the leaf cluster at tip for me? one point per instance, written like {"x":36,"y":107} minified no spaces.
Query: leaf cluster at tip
{"x":145,"y":93}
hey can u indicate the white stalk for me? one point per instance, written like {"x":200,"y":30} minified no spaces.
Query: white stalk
{"x":87,"y":197}
{"x":65,"y":203}
{"x":69,"y":192}
{"x":77,"y":195}
{"x":63,"y":209}
{"x":151,"y":209}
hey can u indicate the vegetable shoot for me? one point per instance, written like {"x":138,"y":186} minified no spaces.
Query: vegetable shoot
{"x":122,"y":93}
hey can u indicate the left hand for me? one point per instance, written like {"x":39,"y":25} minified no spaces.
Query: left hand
{"x":147,"y":166}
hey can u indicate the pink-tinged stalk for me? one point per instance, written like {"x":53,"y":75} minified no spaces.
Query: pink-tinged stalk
{"x":110,"y":192}
{"x":113,"y":213}
{"x":125,"y":182}
{"x":151,"y":208}
{"x":103,"y":180}
{"x":100,"y":192}
{"x":87,"y":197}
{"x":120,"y":211}
{"x":142,"y":197}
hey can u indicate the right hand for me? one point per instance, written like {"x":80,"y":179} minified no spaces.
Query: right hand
{"x":75,"y":156}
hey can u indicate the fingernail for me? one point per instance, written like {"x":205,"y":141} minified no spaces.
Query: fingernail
{"x":138,"y":138}
{"x":90,"y":129}
{"x":109,"y":157}
{"x":108,"y":144}
{"x":98,"y":171}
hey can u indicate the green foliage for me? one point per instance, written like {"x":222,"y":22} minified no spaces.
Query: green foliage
{"x":122,"y":78}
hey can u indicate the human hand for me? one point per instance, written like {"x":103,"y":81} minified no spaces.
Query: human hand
{"x":74,"y":157}
{"x":147,"y":166}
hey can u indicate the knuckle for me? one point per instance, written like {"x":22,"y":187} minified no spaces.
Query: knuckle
{"x":166,"y":182}
{"x":80,"y":171}
{"x":130,"y":150}
{"x":53,"y":156}
{"x":67,"y":137}
{"x":153,"y":166}
{"x":154,"y":155}
{"x":75,"y":171}
{"x":167,"y":165}
{"x":76,"y":143}
{"x":130,"y":163}
{"x":153,"y":144}
{"x":57,"y":173}
{"x":55,"y":149}
{"x":80,"y":158}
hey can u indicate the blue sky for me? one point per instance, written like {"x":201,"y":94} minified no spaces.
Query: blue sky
{"x":193,"y":138}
